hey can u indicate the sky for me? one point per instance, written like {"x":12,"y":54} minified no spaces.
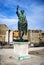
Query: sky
{"x":34,"y":11}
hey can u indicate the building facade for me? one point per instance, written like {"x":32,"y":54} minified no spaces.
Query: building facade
{"x":6,"y":35}
{"x":34,"y":36}
{"x":3,"y":29}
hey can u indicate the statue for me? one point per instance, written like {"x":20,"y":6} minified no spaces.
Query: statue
{"x":22,"y":22}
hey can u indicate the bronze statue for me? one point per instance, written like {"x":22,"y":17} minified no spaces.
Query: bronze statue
{"x":22,"y":22}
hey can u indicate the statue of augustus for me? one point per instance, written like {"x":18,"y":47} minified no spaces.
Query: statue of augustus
{"x":22,"y":22}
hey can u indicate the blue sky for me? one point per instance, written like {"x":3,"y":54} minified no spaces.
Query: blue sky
{"x":34,"y":11}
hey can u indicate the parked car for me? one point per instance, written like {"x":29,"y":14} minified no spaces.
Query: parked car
{"x":31,"y":44}
{"x":34,"y":44}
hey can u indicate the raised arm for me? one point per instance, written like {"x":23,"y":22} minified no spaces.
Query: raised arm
{"x":17,"y":11}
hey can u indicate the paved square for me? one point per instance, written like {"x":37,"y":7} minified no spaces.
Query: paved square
{"x":7,"y":57}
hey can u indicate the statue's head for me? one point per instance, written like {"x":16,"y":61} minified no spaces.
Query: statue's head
{"x":22,"y":11}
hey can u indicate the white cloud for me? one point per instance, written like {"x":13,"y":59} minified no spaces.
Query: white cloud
{"x":10,"y":22}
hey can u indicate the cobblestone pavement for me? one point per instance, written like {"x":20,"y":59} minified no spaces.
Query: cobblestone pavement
{"x":7,"y":57}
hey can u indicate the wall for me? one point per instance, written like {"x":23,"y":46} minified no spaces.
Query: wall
{"x":34,"y":36}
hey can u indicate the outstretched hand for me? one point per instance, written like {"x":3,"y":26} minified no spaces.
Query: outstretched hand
{"x":17,"y":6}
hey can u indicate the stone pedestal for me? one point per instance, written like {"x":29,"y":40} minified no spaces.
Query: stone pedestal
{"x":21,"y":50}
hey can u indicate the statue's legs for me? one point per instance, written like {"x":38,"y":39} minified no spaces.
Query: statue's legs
{"x":21,"y":33}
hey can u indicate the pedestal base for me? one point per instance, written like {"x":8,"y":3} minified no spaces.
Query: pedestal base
{"x":22,"y":57}
{"x":21,"y":50}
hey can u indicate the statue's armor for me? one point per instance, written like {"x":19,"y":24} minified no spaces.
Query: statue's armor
{"x":22,"y":23}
